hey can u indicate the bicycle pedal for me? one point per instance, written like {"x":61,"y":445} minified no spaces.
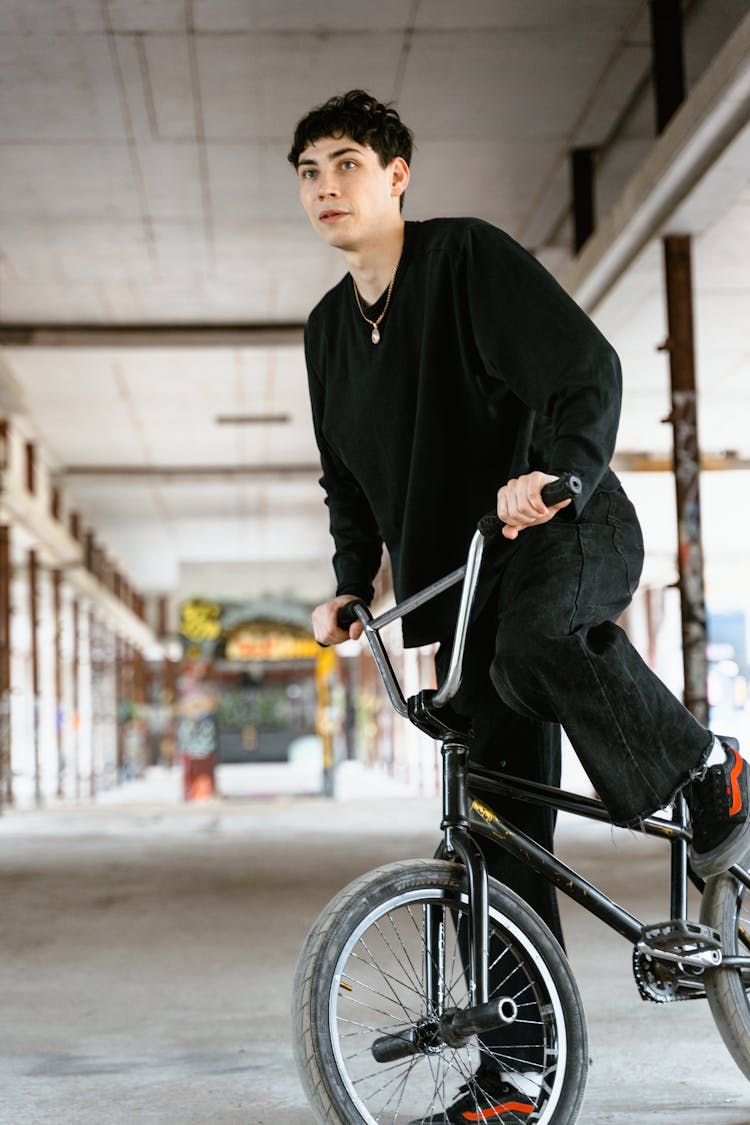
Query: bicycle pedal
{"x":688,"y":943}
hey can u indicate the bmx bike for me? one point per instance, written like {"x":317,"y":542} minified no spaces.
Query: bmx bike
{"x":409,"y":966}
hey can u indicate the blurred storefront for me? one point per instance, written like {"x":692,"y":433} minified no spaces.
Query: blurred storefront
{"x":248,"y":699}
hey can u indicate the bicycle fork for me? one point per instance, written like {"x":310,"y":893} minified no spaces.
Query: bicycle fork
{"x":457,"y":841}
{"x":444,"y":1024}
{"x":483,"y":1014}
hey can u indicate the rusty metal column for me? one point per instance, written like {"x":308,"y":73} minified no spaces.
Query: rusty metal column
{"x":6,"y":775}
{"x":684,"y":419}
{"x":34,"y":627}
{"x":669,"y":90}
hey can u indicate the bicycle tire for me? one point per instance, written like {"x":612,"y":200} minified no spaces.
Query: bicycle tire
{"x":361,"y":976}
{"x":726,"y":907}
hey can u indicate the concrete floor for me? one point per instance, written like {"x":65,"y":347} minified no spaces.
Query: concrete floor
{"x":146,"y":954}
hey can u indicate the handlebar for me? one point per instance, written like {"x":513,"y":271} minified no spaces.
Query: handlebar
{"x":565,"y":487}
{"x":347,"y":615}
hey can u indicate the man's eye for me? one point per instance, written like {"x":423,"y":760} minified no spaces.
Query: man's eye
{"x":307,"y":173}
{"x":346,"y":164}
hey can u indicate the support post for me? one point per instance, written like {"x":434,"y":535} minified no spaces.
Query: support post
{"x":6,"y":775}
{"x":34,"y":626}
{"x":582,"y":177}
{"x":76,"y":694}
{"x":669,"y":93}
{"x":668,"y":62}
{"x":57,"y":652}
{"x":120,"y":650}
{"x":684,"y":419}
{"x":95,"y":676}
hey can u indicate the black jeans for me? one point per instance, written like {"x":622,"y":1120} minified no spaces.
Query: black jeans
{"x":544,"y":650}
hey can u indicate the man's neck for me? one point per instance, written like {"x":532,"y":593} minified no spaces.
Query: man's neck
{"x":372,"y":266}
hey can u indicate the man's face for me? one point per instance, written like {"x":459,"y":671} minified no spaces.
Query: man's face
{"x":348,"y":196}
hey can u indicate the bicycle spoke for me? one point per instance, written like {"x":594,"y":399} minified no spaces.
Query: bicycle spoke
{"x":359,"y":983}
{"x":415,"y":974}
{"x":375,"y":965}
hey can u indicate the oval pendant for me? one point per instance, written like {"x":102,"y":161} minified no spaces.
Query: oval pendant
{"x":375,"y":334}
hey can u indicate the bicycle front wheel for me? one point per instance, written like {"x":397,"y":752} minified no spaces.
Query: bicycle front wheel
{"x":726,"y":907}
{"x":379,"y":965}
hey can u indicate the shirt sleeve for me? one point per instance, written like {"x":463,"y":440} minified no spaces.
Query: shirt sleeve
{"x":358,"y":543}
{"x":533,"y":337}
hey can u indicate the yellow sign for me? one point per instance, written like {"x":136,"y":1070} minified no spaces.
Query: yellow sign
{"x":201,"y":621}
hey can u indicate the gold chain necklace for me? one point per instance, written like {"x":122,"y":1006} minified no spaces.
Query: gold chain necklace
{"x":375,"y":334}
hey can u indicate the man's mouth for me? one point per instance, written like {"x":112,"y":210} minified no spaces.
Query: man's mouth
{"x":330,"y":214}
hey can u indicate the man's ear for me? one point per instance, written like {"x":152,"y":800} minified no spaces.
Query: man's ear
{"x":400,"y":175}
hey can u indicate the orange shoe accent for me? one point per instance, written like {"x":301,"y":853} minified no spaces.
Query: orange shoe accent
{"x":496,"y":1110}
{"x":733,"y":789}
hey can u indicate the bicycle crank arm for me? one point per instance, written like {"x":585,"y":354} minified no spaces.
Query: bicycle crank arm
{"x":454,"y":1028}
{"x":704,"y":959}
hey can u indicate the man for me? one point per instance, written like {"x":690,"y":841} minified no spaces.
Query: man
{"x":450,"y":374}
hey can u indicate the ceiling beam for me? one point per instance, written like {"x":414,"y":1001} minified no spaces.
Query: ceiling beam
{"x":151,"y":335}
{"x":627,"y":461}
{"x":642,"y":462}
{"x":714,"y":115}
{"x":130,"y":474}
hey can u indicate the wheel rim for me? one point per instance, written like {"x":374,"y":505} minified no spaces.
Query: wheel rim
{"x":378,"y":990}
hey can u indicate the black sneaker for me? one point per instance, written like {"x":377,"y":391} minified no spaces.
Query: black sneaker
{"x":719,"y":805}
{"x":486,"y":1097}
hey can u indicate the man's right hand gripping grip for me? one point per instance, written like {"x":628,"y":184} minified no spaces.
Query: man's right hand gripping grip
{"x":565,"y":487}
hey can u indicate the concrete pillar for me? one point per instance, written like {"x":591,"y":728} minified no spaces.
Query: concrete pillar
{"x":75,"y":612}
{"x":35,"y":692}
{"x":94,"y":673}
{"x":6,"y":774}
{"x":120,"y":703}
{"x":58,"y":679}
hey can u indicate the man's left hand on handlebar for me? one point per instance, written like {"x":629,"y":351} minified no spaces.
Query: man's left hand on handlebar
{"x":325,"y":628}
{"x":520,"y":505}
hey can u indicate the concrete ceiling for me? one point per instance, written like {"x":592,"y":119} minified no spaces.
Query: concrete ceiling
{"x":145,"y":191}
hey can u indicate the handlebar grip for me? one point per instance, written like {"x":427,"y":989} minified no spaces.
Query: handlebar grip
{"x":346,"y":616}
{"x":564,"y":488}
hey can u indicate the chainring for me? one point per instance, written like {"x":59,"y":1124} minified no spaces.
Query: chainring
{"x":665,"y":979}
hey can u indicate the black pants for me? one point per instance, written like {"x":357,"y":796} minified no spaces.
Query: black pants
{"x":544,"y":650}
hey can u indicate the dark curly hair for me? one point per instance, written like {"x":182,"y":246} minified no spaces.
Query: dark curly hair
{"x":360,"y":116}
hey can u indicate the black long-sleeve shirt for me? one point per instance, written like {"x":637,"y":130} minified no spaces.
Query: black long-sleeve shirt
{"x":486,"y":369}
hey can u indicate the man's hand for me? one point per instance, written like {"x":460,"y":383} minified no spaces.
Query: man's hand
{"x":325,"y":628}
{"x":520,"y":505}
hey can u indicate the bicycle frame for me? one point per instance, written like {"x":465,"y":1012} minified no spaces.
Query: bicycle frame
{"x":463,"y":819}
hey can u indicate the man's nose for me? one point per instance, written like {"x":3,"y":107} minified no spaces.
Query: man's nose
{"x":327,"y":185}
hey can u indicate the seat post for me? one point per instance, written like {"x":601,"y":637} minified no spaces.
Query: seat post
{"x":455,"y":754}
